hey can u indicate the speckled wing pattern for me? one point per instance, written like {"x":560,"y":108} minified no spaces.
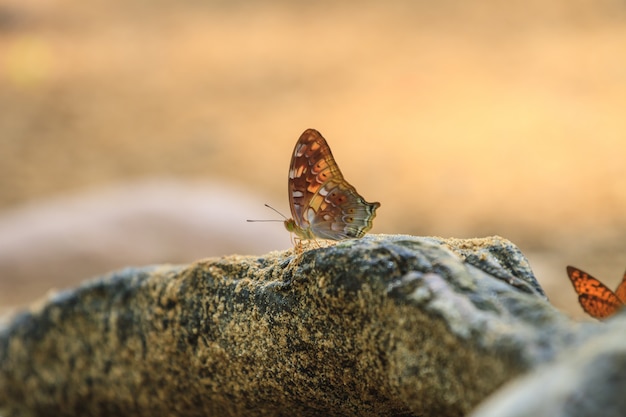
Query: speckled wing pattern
{"x":594,"y":297}
{"x":323,"y":204}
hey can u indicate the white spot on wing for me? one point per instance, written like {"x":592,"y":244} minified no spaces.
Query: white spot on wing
{"x":299,"y":149}
{"x":310,"y":214}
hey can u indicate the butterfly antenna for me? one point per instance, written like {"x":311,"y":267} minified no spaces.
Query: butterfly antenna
{"x":270,"y":207}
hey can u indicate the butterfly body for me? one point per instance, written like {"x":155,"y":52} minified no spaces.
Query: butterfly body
{"x":594,"y":297}
{"x":323,"y":204}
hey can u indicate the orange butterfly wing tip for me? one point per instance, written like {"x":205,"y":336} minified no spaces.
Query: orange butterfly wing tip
{"x":594,"y":297}
{"x":621,"y":290}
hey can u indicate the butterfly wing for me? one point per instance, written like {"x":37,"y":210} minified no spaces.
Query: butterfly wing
{"x":342,"y":213}
{"x":621,"y":290}
{"x":321,"y":200}
{"x":594,"y":297}
{"x":597,"y":307}
{"x":305,"y":181}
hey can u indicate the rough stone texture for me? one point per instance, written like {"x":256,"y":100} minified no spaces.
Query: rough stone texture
{"x":382,"y":326}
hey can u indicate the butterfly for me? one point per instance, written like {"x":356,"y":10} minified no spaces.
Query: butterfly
{"x":596,"y":298}
{"x":323,"y":204}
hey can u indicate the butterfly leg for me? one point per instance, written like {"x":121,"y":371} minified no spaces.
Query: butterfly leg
{"x":297,"y":245}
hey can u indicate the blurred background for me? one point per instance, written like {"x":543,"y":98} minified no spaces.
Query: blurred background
{"x":137,"y":132}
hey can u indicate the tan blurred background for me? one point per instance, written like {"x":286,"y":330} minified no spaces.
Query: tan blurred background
{"x":136,"y":132}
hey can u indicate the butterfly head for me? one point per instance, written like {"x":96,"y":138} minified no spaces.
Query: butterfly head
{"x":303,"y":234}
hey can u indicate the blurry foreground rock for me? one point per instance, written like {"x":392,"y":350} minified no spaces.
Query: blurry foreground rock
{"x":589,"y":380}
{"x":382,"y":326}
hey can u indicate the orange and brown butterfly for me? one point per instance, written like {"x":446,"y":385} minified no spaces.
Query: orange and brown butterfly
{"x":323,"y":204}
{"x":596,"y":298}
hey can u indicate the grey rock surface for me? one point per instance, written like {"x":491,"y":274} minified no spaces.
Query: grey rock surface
{"x":587,"y":380}
{"x":381,"y":326}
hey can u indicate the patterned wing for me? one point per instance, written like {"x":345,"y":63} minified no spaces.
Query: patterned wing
{"x":322,"y":202}
{"x":595,"y":298}
{"x":621,"y":290}
{"x":342,"y":212}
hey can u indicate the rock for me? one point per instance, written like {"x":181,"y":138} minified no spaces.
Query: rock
{"x":381,"y":326}
{"x":589,"y":380}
